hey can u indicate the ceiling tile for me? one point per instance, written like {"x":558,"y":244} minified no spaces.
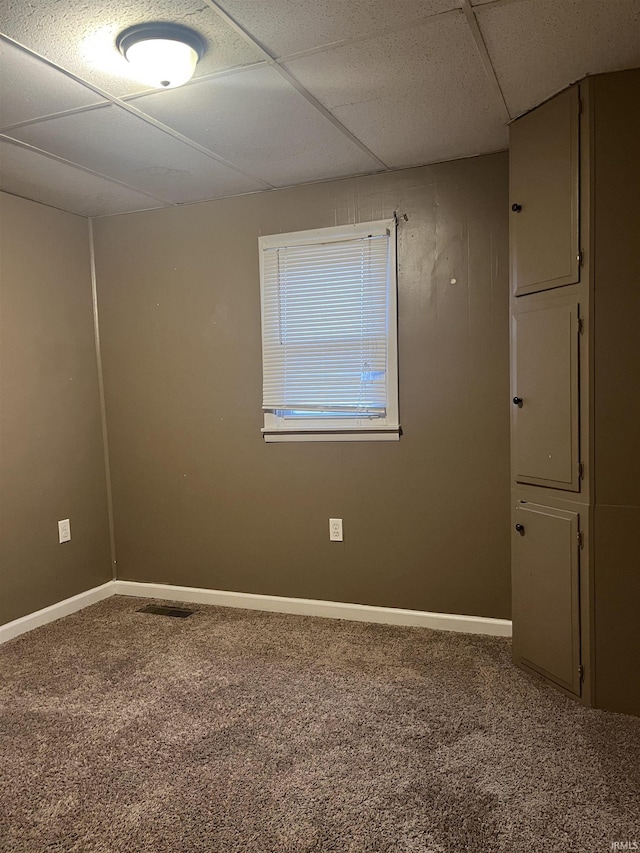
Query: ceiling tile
{"x":81,"y":37}
{"x":39,"y":178}
{"x":119,"y":145}
{"x":413,"y":97}
{"x":540,"y":46}
{"x":287,"y":26}
{"x":262,"y":124}
{"x":30,"y":88}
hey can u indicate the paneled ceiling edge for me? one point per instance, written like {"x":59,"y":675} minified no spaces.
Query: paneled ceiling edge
{"x":345,"y":179}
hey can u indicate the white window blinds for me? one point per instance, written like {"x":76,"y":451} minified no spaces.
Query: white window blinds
{"x":328,"y":301}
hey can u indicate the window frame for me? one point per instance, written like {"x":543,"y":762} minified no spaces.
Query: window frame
{"x":279,"y":429}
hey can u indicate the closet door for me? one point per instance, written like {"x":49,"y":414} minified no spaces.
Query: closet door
{"x":545,"y":582}
{"x":545,"y":405}
{"x":543,"y":180}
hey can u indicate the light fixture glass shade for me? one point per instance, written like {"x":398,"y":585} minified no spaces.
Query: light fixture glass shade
{"x":163,"y":63}
{"x":161,"y":54}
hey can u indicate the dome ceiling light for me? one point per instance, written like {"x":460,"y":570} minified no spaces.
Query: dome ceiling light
{"x":162,"y":55}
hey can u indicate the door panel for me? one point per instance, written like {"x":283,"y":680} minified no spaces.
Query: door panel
{"x":543,"y":180}
{"x":545,"y":379}
{"x":545,"y":583}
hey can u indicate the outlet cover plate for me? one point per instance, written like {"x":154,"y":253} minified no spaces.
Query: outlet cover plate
{"x":64,"y":531}
{"x":335,"y":530}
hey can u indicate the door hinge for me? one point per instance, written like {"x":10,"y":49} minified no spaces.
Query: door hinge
{"x":581,"y":672}
{"x":580,"y":538}
{"x":581,"y":470}
{"x":580,"y":258}
{"x":580,"y":325}
{"x":579,"y":106}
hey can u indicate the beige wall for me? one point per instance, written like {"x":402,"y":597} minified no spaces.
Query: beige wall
{"x":616,"y":403}
{"x":51,"y":455}
{"x":200,"y":500}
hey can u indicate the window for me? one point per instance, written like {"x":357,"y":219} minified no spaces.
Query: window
{"x":329,"y":334}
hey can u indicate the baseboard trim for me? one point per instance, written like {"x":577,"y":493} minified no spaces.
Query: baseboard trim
{"x":252,"y":601}
{"x":55,"y":611}
{"x":313,"y":607}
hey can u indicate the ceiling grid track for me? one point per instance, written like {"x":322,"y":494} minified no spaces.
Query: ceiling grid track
{"x":204,"y":78}
{"x":385,"y":31}
{"x":74,"y":111}
{"x":274,"y":63}
{"x":493,"y":4}
{"x":472,"y":21}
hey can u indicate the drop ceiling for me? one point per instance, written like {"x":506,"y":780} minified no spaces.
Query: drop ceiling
{"x":287,"y":92}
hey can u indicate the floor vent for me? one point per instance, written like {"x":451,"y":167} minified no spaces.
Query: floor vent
{"x":162,"y":610}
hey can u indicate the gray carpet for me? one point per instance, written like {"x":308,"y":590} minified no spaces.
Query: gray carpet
{"x":238,"y":731}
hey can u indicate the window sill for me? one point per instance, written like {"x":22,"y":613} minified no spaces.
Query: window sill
{"x":273,"y":436}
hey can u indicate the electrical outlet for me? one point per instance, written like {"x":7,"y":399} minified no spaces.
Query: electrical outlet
{"x":335,"y":529}
{"x":64,"y":530}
